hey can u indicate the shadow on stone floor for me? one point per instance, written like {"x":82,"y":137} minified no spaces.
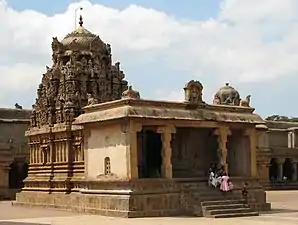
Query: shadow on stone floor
{"x":276,"y":211}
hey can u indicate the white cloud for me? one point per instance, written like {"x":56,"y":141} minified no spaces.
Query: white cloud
{"x":256,"y":11}
{"x":170,"y":95}
{"x":249,"y":42}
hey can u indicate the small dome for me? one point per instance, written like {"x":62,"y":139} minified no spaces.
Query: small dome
{"x":81,"y":36}
{"x":227,"y":90}
{"x":227,"y":95}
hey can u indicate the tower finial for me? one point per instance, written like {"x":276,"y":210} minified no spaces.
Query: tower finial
{"x":81,"y":21}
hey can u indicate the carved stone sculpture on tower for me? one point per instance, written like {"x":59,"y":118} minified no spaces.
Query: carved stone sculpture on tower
{"x":81,"y":64}
{"x":131,"y":94}
{"x":245,"y":102}
{"x":91,"y":100}
{"x":193,"y":92}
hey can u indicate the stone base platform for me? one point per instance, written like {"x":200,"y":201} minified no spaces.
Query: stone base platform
{"x":137,"y":198}
{"x":8,"y":194}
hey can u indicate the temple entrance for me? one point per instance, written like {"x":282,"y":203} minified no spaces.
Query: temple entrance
{"x":151,"y":155}
{"x":193,"y":151}
{"x":17,"y":173}
{"x":14,"y":176}
{"x":238,"y":158}
{"x":273,"y":170}
{"x":287,"y":169}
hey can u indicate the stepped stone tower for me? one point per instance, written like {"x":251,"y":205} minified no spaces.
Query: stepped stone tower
{"x":82,"y":74}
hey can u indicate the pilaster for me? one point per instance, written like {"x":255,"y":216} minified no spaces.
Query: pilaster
{"x":280,"y":162}
{"x":263,"y":166}
{"x":222,"y":134}
{"x":166,"y":137}
{"x":252,"y":135}
{"x":5,"y":175}
{"x":86,"y":136}
{"x":132,"y":150}
{"x":294,"y":168}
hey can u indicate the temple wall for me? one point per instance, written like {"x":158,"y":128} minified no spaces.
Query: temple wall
{"x":12,"y":137}
{"x":102,"y":143}
{"x":239,"y":155}
{"x":278,"y":138}
{"x":263,"y":155}
{"x":13,"y":145}
{"x":263,"y":139}
{"x":4,"y":178}
{"x":192,"y":152}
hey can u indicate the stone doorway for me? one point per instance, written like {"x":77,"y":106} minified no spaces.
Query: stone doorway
{"x":18,"y":172}
{"x":273,"y":170}
{"x":193,"y":151}
{"x":288,"y":169}
{"x":238,"y":158}
{"x":150,"y":160}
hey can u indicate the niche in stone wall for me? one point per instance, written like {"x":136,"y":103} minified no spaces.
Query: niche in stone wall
{"x":107,"y":165}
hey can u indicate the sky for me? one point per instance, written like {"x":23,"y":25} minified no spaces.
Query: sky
{"x":162,"y":44}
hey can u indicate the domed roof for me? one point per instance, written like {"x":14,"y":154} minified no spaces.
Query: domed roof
{"x":227,"y":95}
{"x":227,"y":90}
{"x":81,"y":36}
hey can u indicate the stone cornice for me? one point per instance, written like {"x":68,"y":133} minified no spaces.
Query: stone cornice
{"x":133,"y":108}
{"x":166,"y":104}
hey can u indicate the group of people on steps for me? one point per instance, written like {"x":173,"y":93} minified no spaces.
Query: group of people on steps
{"x":219,"y":178}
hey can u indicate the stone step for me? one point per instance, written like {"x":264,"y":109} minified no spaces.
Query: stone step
{"x":222,"y":202}
{"x":229,"y":206}
{"x":247,"y":214}
{"x":216,"y":194}
{"x":217,"y":198}
{"x":228,"y":211}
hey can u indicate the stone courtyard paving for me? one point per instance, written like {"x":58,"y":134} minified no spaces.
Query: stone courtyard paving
{"x":284,"y":204}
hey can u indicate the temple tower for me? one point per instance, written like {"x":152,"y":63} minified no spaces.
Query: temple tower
{"x":82,"y":74}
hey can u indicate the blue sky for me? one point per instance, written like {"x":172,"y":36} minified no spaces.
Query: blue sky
{"x":194,"y":9}
{"x":251,"y":44}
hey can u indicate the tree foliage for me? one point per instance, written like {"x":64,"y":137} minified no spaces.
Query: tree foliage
{"x":282,"y":118}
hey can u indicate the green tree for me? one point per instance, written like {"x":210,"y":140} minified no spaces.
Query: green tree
{"x":282,"y":118}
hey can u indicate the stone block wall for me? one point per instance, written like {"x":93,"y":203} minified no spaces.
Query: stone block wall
{"x":256,"y":193}
{"x":138,"y":198}
{"x":13,"y":147}
{"x":13,"y":125}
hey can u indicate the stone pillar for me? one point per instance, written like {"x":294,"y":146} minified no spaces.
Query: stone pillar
{"x":294,"y":167}
{"x":280,"y":172}
{"x":166,"y":137}
{"x":4,"y":175}
{"x":52,"y":158}
{"x":263,"y":165}
{"x":51,"y":150}
{"x":132,"y":149}
{"x":38,"y":155}
{"x":222,"y":139}
{"x":30,"y":154}
{"x":252,"y":135}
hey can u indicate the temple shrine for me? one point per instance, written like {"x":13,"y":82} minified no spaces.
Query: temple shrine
{"x":96,"y":146}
